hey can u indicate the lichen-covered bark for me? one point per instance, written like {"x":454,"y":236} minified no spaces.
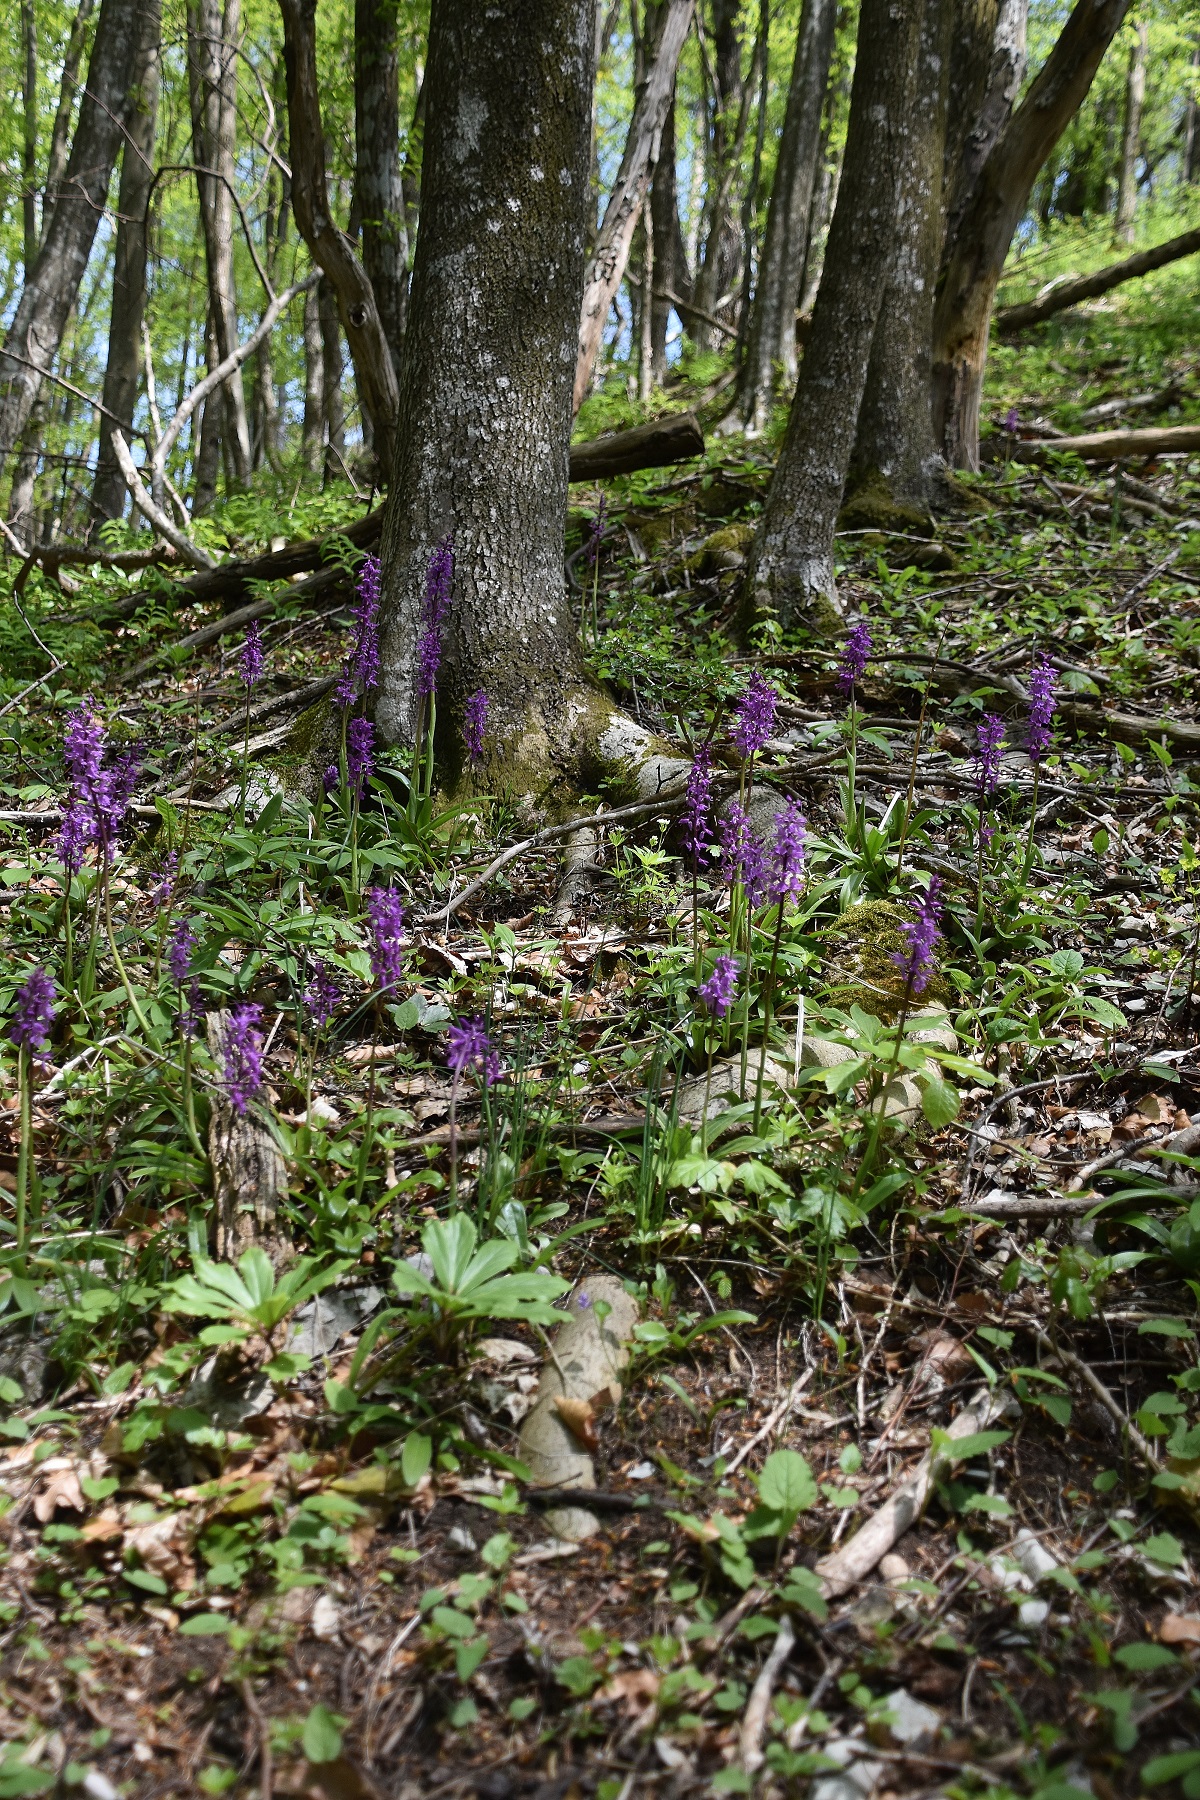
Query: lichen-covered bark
{"x":791,"y":569}
{"x":486,"y":380}
{"x":772,"y":340}
{"x":895,"y":449}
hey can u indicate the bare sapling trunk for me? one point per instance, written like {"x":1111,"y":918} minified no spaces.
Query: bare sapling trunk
{"x":332,"y":250}
{"x":377,"y":186}
{"x":606,"y":266}
{"x":894,"y":470}
{"x":672,"y":275}
{"x":1131,"y":137}
{"x":333,"y":406}
{"x":313,"y":430}
{"x":975,"y":257}
{"x":791,"y":565}
{"x":208,"y":457}
{"x":121,"y":373}
{"x":33,"y":339}
{"x":213,"y":35}
{"x":485,"y":420}
{"x":772,"y":340}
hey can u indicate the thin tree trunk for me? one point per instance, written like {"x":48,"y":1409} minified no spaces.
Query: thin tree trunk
{"x":129,"y":263}
{"x":314,"y":382}
{"x":824,"y":201}
{"x":50,"y":290}
{"x":60,"y":135}
{"x":975,"y":257}
{"x":1131,"y":138}
{"x":378,"y":192}
{"x":22,"y":513}
{"x":717,"y":268}
{"x":772,"y":339}
{"x":29,"y":194}
{"x":331,"y":383}
{"x":487,"y":379}
{"x":270,"y":432}
{"x":791,"y":568}
{"x":1191,"y":147}
{"x":332,"y":250}
{"x":671,"y":271}
{"x":606,"y":266}
{"x":410,"y":169}
{"x":646,"y":306}
{"x":212,"y":76}
{"x":895,"y":463}
{"x":208,"y":460}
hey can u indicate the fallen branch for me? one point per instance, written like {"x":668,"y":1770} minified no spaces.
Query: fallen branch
{"x":754,"y":1720}
{"x":652,"y":446}
{"x":1034,"y":1206}
{"x":244,"y":615}
{"x":776,"y":1417}
{"x":144,"y":501}
{"x":1064,"y":294}
{"x":856,"y":1559}
{"x":1111,"y":446}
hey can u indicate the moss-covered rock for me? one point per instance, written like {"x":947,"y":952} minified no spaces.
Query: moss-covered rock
{"x":722,"y":551}
{"x":857,"y":965}
{"x":873,"y":507}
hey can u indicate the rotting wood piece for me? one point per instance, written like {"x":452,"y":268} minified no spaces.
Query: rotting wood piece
{"x":1063,"y":294}
{"x":249,"y":1175}
{"x":1111,"y":446}
{"x":651,"y":446}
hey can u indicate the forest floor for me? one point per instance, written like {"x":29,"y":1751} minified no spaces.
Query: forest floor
{"x":329,"y":1576}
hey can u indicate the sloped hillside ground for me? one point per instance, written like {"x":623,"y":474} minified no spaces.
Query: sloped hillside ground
{"x":264,"y":1539}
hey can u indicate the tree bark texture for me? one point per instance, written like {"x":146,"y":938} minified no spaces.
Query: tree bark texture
{"x":971,"y":269}
{"x":60,"y":134}
{"x":377,"y":187}
{"x":208,"y":457}
{"x":718,"y":266}
{"x":213,"y":35}
{"x":332,"y":251}
{"x":671,"y":271}
{"x":313,"y":429}
{"x":122,"y":369}
{"x":49,"y":292}
{"x":791,"y":566}
{"x":772,"y":340}
{"x":895,"y":462}
{"x":1131,"y":137}
{"x":489,"y":361}
{"x":333,"y":405}
{"x":29,"y":95}
{"x":987,"y":67}
{"x":249,"y":1173}
{"x":606,"y":265}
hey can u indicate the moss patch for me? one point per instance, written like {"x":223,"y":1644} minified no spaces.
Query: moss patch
{"x":873,"y":507}
{"x":857,"y":963}
{"x":722,"y":550}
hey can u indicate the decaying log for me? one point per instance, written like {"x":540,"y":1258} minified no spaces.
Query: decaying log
{"x":1111,"y":446}
{"x":651,"y":446}
{"x":249,"y":1175}
{"x":1062,"y":294}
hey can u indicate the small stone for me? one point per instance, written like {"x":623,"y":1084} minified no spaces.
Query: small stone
{"x":1033,"y":1613}
{"x":893,"y":1567}
{"x":326,"y":1621}
{"x":459,"y":1538}
{"x":98,"y":1787}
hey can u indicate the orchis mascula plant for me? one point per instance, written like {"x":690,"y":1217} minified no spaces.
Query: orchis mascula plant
{"x":475,"y":725}
{"x":1039,"y":736}
{"x":468,"y":1046}
{"x":754,"y":721}
{"x":242,"y":1055}
{"x":856,"y":654}
{"x":696,"y":829}
{"x":915,"y":962}
{"x":30,"y":1032}
{"x":785,"y":878}
{"x":716,"y":995}
{"x":989,"y":748}
{"x":439,"y":587}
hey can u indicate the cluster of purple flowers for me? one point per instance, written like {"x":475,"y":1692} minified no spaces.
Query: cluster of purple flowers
{"x":596,"y":533}
{"x":179,"y":962}
{"x":468,"y":1046}
{"x":1042,"y":704}
{"x":718,"y":991}
{"x":253,"y":656}
{"x":921,"y":933}
{"x":386,"y":916}
{"x":243,"y":1054}
{"x":989,"y":748}
{"x":742,"y":855}
{"x":697,"y":831}
{"x":755,"y":716}
{"x":439,"y":581}
{"x":785,"y":872}
{"x":323,"y":995}
{"x":856,"y":653}
{"x":360,"y":671}
{"x":34,"y":1016}
{"x":163,"y":891}
{"x":475,"y":724}
{"x":100,"y":794}
{"x":360,"y":757}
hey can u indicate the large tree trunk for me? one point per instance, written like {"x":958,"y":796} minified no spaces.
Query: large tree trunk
{"x":791,"y":569}
{"x":772,"y":340}
{"x":971,"y":270}
{"x":606,"y":266}
{"x":212,"y":78}
{"x":1131,"y":137}
{"x":35,"y":334}
{"x":60,"y":135}
{"x":895,"y":464}
{"x":378,"y":192}
{"x":332,"y":250}
{"x":489,"y":358}
{"x":29,"y":194}
{"x":129,"y":264}
{"x":987,"y":67}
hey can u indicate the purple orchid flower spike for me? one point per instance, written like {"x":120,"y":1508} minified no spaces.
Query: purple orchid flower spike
{"x":717,"y":993}
{"x":921,"y":933}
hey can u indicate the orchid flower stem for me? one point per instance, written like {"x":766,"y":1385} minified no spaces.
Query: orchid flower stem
{"x":767,"y":1005}
{"x":189,"y":1100}
{"x":912,"y":772}
{"x":1037,"y":775}
{"x":370,"y":1123}
{"x":24,"y":1147}
{"x":454,"y":1142}
{"x":116,"y":956}
{"x":877,"y":1117}
{"x":245,"y":760}
{"x":68,"y":938}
